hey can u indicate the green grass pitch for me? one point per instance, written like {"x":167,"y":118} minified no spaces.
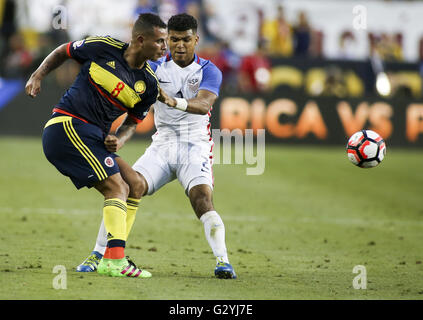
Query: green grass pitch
{"x":294,"y":232}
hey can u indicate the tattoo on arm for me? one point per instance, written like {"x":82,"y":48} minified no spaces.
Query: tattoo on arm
{"x":126,"y":130}
{"x":52,"y":61}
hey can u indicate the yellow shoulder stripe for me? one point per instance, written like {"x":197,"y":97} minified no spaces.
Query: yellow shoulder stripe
{"x":106,"y":40}
{"x":148,"y":68}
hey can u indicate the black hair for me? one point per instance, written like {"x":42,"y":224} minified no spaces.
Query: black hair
{"x":182,"y":22}
{"x":146,"y":22}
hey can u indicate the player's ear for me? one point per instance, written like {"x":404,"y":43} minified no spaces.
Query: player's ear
{"x":140,"y":39}
{"x":197,"y":38}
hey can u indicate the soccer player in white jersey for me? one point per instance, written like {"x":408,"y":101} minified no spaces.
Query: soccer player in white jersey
{"x":182,"y":146}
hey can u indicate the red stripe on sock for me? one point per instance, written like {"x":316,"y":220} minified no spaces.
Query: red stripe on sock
{"x":107,"y":254}
{"x":116,"y":253}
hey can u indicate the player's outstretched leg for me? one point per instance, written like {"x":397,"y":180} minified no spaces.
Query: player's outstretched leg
{"x":114,"y":263}
{"x":137,"y":188}
{"x":90,"y":264}
{"x":214,"y":229}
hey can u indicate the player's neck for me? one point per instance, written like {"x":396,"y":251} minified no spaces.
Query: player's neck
{"x":184,"y":64}
{"x":134,"y":60}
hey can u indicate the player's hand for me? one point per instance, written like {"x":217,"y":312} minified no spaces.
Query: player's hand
{"x":163,"y":97}
{"x":33,"y":86}
{"x":112,"y":143}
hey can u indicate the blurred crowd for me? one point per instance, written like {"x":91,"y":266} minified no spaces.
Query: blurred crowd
{"x":21,"y":51}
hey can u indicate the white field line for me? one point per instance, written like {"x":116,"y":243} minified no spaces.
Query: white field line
{"x":260,"y":218}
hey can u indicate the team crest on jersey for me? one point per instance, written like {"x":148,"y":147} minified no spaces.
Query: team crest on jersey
{"x":193,"y":83}
{"x":77,"y":44}
{"x":139,"y":87}
{"x":109,"y":162}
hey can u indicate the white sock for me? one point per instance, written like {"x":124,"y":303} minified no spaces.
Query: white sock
{"x":101,"y":242}
{"x":214,"y":230}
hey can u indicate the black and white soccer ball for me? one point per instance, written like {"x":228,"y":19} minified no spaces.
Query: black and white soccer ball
{"x":366,"y":149}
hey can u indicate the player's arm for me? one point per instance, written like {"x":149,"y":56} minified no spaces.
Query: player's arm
{"x":125,"y":131}
{"x":51,"y":62}
{"x":206,"y":96}
{"x":201,"y":104}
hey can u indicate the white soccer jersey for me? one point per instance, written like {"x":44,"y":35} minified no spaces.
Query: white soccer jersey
{"x":182,"y":145}
{"x":185,"y":83}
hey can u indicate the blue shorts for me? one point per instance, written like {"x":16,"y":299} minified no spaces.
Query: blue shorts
{"x":77,"y":150}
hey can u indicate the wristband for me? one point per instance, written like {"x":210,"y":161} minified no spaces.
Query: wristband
{"x":181,"y":104}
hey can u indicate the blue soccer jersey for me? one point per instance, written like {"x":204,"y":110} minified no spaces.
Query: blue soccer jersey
{"x":106,"y":87}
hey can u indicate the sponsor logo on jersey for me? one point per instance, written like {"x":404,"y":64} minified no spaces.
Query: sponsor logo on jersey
{"x":163,"y":81}
{"x":111,"y":64}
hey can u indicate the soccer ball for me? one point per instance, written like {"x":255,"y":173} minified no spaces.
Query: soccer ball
{"x":366,"y":149}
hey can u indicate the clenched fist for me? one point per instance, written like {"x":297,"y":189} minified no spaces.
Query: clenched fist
{"x":166,"y":99}
{"x":33,"y":86}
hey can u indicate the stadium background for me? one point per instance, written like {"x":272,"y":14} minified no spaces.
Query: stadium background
{"x":310,"y":78}
{"x":282,"y":61}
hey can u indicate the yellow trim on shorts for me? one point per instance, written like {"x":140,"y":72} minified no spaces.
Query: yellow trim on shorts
{"x":78,"y":144}
{"x":57,"y":120}
{"x":84,"y":150}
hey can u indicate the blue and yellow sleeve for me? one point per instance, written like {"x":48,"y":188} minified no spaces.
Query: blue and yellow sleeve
{"x":91,"y":47}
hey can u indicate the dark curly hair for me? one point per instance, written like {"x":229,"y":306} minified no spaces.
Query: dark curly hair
{"x":182,"y":22}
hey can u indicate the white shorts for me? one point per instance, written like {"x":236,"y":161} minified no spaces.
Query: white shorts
{"x":190,"y":163}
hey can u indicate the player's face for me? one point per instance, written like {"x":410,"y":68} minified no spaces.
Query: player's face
{"x":154,"y":45}
{"x":182,"y":45}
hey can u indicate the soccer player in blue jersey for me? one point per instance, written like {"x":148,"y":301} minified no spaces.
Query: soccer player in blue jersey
{"x":182,"y":146}
{"x":115,"y":78}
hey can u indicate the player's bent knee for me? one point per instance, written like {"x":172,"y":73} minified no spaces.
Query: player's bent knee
{"x":124,"y":188}
{"x":201,"y":199}
{"x":120,"y":189}
{"x":113,"y":187}
{"x":138,"y":186}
